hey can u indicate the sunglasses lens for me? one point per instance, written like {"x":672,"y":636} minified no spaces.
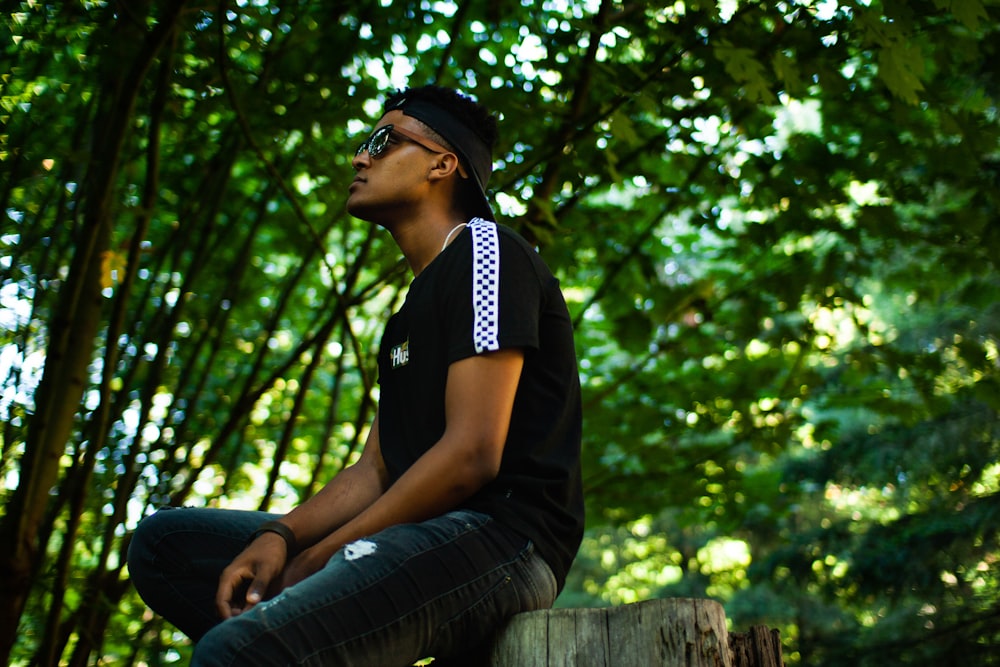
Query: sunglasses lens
{"x":375,"y":144}
{"x":379,"y":142}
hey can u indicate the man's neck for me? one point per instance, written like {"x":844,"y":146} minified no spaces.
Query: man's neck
{"x":423,"y":240}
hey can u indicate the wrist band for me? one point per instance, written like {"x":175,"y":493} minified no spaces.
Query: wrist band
{"x":279,"y":528}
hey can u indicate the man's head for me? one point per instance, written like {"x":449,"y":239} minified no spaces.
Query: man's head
{"x":460,"y":125}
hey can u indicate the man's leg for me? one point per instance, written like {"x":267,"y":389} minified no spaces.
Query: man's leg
{"x":412,"y":591}
{"x":176,"y":556}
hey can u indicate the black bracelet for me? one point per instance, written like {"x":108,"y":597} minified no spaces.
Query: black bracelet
{"x":281,"y":529}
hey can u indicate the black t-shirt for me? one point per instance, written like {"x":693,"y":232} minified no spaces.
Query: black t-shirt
{"x":490,"y":290}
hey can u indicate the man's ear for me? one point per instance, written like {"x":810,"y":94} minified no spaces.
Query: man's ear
{"x":445,"y":165}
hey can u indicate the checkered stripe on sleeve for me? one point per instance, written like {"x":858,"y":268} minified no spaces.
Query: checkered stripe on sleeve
{"x":485,"y":285}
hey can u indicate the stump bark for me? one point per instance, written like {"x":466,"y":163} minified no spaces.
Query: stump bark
{"x":676,"y":632}
{"x":760,"y":647}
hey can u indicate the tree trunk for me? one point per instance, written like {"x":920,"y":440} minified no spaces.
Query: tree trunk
{"x":657,"y":633}
{"x":75,"y":324}
{"x":760,"y":647}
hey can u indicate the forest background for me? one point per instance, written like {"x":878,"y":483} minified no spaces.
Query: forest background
{"x":776,"y":225}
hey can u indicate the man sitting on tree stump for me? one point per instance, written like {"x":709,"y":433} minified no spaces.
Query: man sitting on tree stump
{"x":465,"y":506}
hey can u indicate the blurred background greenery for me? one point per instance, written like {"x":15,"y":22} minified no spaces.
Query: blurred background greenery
{"x":776,"y":224}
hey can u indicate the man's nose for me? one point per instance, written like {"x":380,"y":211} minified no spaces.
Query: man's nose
{"x":361,"y":160}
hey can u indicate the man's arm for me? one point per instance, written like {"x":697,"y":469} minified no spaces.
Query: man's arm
{"x":479,"y":400}
{"x":344,"y":497}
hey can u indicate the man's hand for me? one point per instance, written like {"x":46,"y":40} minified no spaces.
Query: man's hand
{"x":306,"y":563}
{"x":253,"y":576}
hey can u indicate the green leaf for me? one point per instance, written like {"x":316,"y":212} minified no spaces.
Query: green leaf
{"x":968,"y":12}
{"x":901,"y":67}
{"x":787,"y":70}
{"x":744,"y":68}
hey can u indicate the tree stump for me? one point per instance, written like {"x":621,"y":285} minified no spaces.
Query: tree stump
{"x":761,"y":647}
{"x":673,"y":632}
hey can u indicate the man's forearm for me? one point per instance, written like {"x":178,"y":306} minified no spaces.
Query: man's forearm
{"x":343,"y":498}
{"x":438,"y":482}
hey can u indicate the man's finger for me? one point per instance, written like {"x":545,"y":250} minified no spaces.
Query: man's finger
{"x":226,"y":593}
{"x":256,"y":592}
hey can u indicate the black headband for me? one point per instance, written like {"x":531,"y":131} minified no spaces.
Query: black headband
{"x":471,"y":149}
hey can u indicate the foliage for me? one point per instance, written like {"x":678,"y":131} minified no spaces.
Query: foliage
{"x":776,"y":225}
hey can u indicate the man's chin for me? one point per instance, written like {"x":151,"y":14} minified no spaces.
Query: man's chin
{"x":366,"y":213}
{"x":357,"y":210}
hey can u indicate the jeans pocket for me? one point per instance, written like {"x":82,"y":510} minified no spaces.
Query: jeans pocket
{"x":534,"y":580}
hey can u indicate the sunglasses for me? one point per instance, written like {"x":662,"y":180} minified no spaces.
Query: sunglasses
{"x":378,"y":143}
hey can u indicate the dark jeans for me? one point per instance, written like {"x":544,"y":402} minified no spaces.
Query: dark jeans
{"x":438,"y":588}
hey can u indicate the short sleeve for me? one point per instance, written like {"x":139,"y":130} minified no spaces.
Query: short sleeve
{"x":497,"y":301}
